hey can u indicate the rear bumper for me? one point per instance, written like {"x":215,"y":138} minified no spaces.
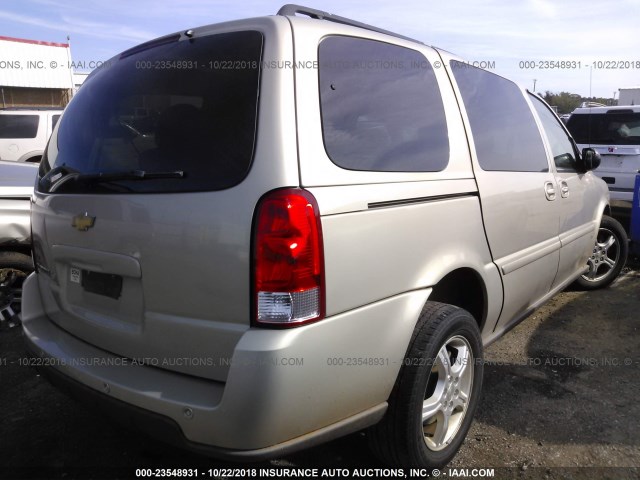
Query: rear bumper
{"x":168,"y":431}
{"x":286,"y":389}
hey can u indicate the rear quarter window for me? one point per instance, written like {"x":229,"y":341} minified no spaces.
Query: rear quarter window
{"x":381,"y":107}
{"x":18,"y":126}
{"x":504,"y":130}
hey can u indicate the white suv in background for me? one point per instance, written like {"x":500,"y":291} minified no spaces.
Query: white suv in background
{"x":24,"y":132}
{"x":614,"y":132}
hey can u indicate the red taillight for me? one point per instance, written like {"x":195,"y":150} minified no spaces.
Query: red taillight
{"x":288,"y":264}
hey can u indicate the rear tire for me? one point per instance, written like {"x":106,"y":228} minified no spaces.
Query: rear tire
{"x":608,"y":258}
{"x":436,"y":394}
{"x":17,"y":261}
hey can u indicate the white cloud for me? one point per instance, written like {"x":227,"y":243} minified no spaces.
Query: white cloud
{"x":78,"y":26}
{"x":544,"y":8}
{"x":506,"y":32}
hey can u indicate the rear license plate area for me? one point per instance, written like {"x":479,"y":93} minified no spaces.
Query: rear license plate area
{"x":105,"y":284}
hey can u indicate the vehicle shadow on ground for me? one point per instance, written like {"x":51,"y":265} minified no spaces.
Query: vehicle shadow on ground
{"x":580,"y":381}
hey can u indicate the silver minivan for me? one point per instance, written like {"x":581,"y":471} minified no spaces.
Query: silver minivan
{"x":256,"y":236}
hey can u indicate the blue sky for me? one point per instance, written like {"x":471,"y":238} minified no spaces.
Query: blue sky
{"x":505,"y":33}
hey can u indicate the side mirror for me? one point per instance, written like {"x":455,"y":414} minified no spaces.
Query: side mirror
{"x":589,"y":160}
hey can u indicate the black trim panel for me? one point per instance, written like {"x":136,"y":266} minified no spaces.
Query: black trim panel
{"x":616,"y":189}
{"x":410,"y":201}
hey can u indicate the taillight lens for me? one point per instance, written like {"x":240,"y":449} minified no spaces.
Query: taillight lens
{"x":288,"y":263}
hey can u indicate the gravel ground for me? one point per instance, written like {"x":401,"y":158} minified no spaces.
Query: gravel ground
{"x":560,"y":401}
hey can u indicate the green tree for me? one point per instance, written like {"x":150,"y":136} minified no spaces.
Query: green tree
{"x":567,"y":102}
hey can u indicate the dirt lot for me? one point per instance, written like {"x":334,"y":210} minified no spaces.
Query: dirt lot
{"x":561,"y":393}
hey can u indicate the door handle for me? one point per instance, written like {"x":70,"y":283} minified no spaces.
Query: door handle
{"x":550,"y":191}
{"x":564,"y":189}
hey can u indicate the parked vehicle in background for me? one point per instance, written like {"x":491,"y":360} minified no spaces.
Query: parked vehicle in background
{"x":629,"y":96}
{"x":24,"y":132}
{"x":634,"y":230}
{"x":614,"y":132}
{"x":351,"y":223}
{"x":16,"y":188}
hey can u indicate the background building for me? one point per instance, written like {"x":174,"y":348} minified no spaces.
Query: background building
{"x":35,"y":73}
{"x":78,"y":80}
{"x":629,"y":96}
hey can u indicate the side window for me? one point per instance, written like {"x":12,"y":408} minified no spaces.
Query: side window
{"x":561,"y":146}
{"x":381,"y":107}
{"x":18,"y":126}
{"x":54,"y":121}
{"x":503,"y":127}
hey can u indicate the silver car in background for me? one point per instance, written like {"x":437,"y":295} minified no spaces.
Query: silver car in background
{"x":16,"y":187}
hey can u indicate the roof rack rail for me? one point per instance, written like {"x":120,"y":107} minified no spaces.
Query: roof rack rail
{"x":292,"y":9}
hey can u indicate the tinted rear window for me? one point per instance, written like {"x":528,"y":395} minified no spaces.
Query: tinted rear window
{"x":381,"y":107}
{"x":164,"y":109}
{"x":606,"y":128}
{"x":18,"y":126}
{"x":504,"y":130}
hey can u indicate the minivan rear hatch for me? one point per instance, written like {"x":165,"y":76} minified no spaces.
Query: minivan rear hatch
{"x":141,"y":244}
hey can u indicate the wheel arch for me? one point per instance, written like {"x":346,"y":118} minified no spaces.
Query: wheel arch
{"x":464,"y":288}
{"x":30,"y":156}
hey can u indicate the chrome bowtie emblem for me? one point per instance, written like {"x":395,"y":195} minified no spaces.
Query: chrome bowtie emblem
{"x":83,"y":222}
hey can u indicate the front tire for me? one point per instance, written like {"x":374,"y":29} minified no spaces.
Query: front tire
{"x":436,"y":394}
{"x":609,"y":256}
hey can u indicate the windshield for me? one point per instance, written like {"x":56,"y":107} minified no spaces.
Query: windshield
{"x":620,"y":128}
{"x":166,"y":108}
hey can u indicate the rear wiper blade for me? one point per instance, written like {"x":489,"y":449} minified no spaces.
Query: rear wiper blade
{"x":55,"y":176}
{"x":127,"y":175}
{"x":104,"y":177}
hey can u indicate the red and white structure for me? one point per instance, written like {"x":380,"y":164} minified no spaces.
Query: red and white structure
{"x":35,"y":73}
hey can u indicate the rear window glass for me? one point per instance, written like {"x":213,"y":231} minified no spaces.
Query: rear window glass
{"x":18,"y":126}
{"x":504,"y":130}
{"x":620,"y":128}
{"x":381,"y":107}
{"x":165,"y":108}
